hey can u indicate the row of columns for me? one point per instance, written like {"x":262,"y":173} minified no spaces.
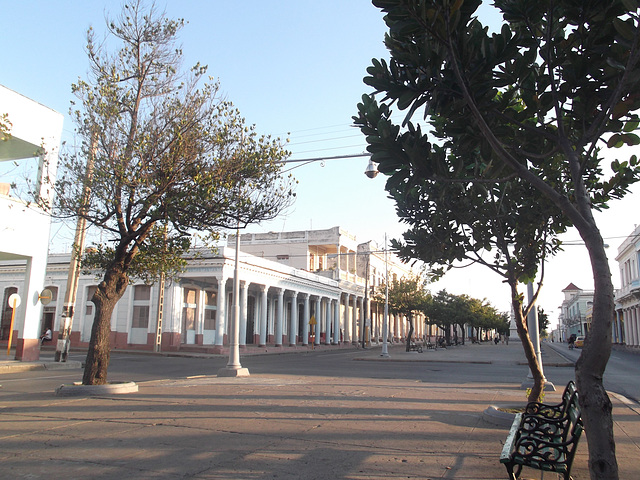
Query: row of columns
{"x":626,"y":328}
{"x":345,"y":326}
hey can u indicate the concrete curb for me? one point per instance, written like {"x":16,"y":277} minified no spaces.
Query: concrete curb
{"x":498,"y":417}
{"x":18,"y":366}
{"x":62,"y":365}
{"x":79,"y":390}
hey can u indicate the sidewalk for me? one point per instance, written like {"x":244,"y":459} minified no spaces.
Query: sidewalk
{"x":285,"y":427}
{"x":469,"y":353}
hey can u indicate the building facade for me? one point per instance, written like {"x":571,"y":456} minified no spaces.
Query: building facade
{"x":626,"y":326}
{"x":28,"y":161}
{"x":296,"y":289}
{"x":574,"y":318}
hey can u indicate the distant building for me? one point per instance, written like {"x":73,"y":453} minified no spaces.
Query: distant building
{"x":28,"y":161}
{"x":573,"y":319}
{"x":296,"y":288}
{"x":626,"y":328}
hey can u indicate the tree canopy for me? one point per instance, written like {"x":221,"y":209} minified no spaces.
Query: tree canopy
{"x":407,"y":296}
{"x":445,"y":309}
{"x":537,"y":101}
{"x":163,"y":154}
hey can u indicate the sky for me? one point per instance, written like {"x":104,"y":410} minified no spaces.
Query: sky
{"x":294,"y":68}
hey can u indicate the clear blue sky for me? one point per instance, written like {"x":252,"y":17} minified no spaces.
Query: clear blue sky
{"x":294,"y":68}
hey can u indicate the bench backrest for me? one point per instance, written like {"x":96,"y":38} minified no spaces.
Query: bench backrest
{"x":552,"y":411}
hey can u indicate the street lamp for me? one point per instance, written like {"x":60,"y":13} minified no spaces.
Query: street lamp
{"x":385,"y":321}
{"x":234,"y":368}
{"x":371,"y":171}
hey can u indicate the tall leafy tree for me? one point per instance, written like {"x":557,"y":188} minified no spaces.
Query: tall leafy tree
{"x":539,"y":100}
{"x":457,"y":213}
{"x":543,"y":321}
{"x":164,"y":156}
{"x":407,"y":296}
{"x":438,"y":312}
{"x":446,"y":309}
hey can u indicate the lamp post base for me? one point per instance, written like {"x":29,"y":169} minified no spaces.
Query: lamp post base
{"x":233,"y":372}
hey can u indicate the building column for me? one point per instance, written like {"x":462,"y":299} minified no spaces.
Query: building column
{"x":293,"y":325}
{"x":306,"y":317}
{"x":360,"y":321}
{"x":28,"y":314}
{"x":354,"y":319}
{"x":375,"y":324}
{"x":262,"y":328}
{"x":279,"y":318}
{"x":393,"y":324}
{"x":634,"y":324}
{"x":242,"y":332}
{"x":318,"y":315}
{"x":346,"y":338}
{"x":326,"y":310}
{"x":221,"y":311}
{"x":336,"y":321}
{"x":621,"y":338}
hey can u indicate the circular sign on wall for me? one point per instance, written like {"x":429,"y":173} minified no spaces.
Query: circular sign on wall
{"x":14,"y":300}
{"x":45,"y":296}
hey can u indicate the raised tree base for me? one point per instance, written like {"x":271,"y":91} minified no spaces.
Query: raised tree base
{"x":79,"y":390}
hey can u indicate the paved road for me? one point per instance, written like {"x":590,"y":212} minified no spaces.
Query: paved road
{"x":329,"y":414}
{"x":623,"y":371}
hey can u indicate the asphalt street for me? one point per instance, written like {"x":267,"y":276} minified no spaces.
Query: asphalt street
{"x":331,"y":413}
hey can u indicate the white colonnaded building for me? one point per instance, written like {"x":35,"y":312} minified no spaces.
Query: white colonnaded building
{"x":297,"y":289}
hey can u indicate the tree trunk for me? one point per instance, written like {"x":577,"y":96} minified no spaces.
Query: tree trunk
{"x":594,"y":402}
{"x":529,"y":351}
{"x":105,"y":299}
{"x":410,"y":320}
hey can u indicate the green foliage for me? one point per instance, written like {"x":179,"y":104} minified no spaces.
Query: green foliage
{"x":528,"y":107}
{"x":540,"y":397}
{"x":164,"y":157}
{"x":543,"y":321}
{"x":445,"y":309}
{"x":161,"y":146}
{"x":518,"y":119}
{"x":534,"y":98}
{"x":407,"y":295}
{"x":156,"y":255}
{"x":5,"y":127}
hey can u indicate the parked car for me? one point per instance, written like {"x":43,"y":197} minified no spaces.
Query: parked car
{"x":579,"y":343}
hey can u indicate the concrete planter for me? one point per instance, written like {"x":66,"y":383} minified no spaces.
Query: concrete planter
{"x":494,"y":415}
{"x":79,"y":390}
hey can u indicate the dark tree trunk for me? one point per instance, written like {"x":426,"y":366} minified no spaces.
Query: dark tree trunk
{"x":527,"y":345}
{"x":594,"y":402}
{"x":105,"y":299}
{"x":410,"y":336}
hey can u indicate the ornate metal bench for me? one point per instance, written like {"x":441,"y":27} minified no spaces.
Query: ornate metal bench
{"x":544,"y":442}
{"x":552,"y":411}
